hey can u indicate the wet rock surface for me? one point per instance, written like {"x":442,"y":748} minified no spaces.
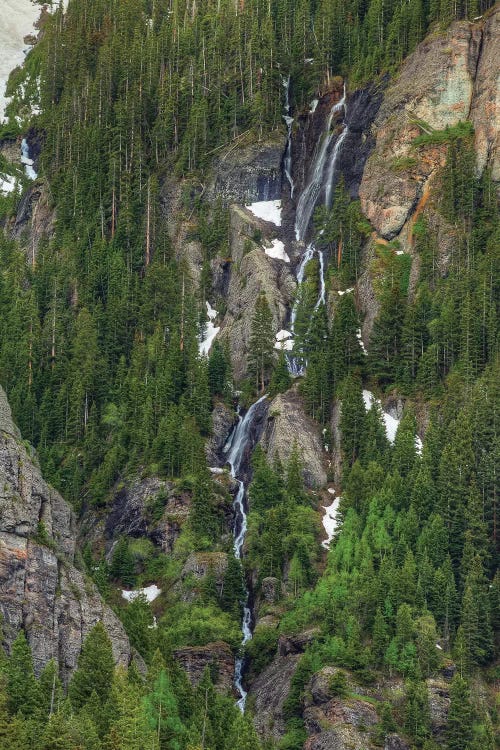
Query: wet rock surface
{"x":149,"y":507}
{"x":223,"y":421}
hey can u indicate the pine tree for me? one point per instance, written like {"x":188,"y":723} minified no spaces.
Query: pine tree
{"x":459,"y":729}
{"x":123,"y":563}
{"x":261,"y":345}
{"x":281,"y":379}
{"x":242,"y":735}
{"x":22,"y":688}
{"x":94,"y":673}
{"x":352,"y":420}
{"x":417,"y":717}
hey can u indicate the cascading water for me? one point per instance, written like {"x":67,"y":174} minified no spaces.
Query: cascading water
{"x":289,"y":122}
{"x":236,"y":451}
{"x":321,"y":179}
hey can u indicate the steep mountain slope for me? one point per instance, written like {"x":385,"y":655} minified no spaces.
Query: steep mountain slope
{"x":249,"y":319}
{"x":41,"y":590}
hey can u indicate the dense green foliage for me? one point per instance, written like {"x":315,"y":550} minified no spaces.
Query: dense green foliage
{"x":110,"y":709}
{"x":99,"y":354}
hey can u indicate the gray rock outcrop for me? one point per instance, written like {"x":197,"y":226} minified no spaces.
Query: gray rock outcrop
{"x":450,"y":77}
{"x":41,"y":589}
{"x":217,"y":656}
{"x":289,"y":425}
{"x":248,"y":171}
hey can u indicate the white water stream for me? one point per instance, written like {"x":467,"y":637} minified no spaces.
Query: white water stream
{"x":236,"y":452}
{"x":289,"y":122}
{"x":320,"y":181}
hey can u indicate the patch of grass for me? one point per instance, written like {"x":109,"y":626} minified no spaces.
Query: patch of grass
{"x":431,"y":137}
{"x":403,"y":163}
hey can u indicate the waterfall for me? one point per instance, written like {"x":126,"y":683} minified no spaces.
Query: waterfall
{"x":310,"y":194}
{"x":320,"y":179}
{"x":25,"y":159}
{"x":289,"y":122}
{"x":322,"y":290}
{"x":334,"y":155}
{"x":236,"y":450}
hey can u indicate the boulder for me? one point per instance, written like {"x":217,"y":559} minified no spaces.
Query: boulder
{"x":271,"y":589}
{"x":289,"y":425}
{"x":395,"y":742}
{"x":296,"y":644}
{"x":439,"y":704}
{"x":223,"y":420}
{"x":268,"y":694}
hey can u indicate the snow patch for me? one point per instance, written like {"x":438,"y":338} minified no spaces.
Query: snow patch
{"x":18,"y":17}
{"x":313,"y":105}
{"x":267,"y":210}
{"x":284,"y":346}
{"x":150,"y":592}
{"x":283,"y":334}
{"x":330,"y":519}
{"x":341,"y":292}
{"x":390,"y":422}
{"x":358,"y":336}
{"x":277,"y":251}
{"x":216,"y":470}
{"x":7,"y":184}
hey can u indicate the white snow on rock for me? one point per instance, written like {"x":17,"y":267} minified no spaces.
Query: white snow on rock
{"x":17,"y":19}
{"x":283,"y":334}
{"x":216,"y":470}
{"x":361,"y":343}
{"x":391,"y":423}
{"x":277,"y":251}
{"x":286,"y":345}
{"x":267,"y":210}
{"x":345,"y":291}
{"x":313,"y":106}
{"x":150,"y":592}
{"x":210,"y":331}
{"x":330,"y":519}
{"x":7,"y":184}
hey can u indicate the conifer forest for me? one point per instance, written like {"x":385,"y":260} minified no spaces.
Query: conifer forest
{"x":249,"y":374}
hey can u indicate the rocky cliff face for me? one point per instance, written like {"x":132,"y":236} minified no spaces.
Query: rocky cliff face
{"x":287,"y":426}
{"x":217,"y":656}
{"x":41,"y":589}
{"x":449,"y":78}
{"x":248,"y":171}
